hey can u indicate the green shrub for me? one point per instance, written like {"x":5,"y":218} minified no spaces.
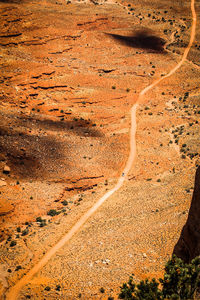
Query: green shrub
{"x":58,"y":287}
{"x":18,"y":229}
{"x":42,"y":222}
{"x":53,"y":212}
{"x":64,"y":202}
{"x":102,"y":290}
{"x":180,"y":282}
{"x":25,"y":232}
{"x":13,"y":243}
{"x":18,"y":268}
{"x":180,"y":279}
{"x":38,"y":219}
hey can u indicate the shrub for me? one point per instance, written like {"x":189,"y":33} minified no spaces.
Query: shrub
{"x":102,"y":290}
{"x":18,"y":268}
{"x":25,"y":232}
{"x":58,"y":287}
{"x":180,"y":282}
{"x":41,"y":221}
{"x":13,"y":243}
{"x":52,"y":212}
{"x":64,"y":202}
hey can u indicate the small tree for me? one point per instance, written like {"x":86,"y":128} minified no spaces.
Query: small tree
{"x":180,"y":279}
{"x":180,"y":282}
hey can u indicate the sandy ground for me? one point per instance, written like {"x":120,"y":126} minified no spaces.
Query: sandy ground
{"x":66,"y":93}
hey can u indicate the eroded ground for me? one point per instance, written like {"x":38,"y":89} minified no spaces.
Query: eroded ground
{"x":70,"y":73}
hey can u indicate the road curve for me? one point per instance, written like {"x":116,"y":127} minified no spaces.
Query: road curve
{"x":14,"y":290}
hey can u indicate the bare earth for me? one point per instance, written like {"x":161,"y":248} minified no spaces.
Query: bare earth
{"x":69,"y":77}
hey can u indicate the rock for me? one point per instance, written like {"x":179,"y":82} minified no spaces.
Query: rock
{"x":6,"y":169}
{"x":5,"y":207}
{"x":91,"y":264}
{"x":188,"y":245}
{"x":2,"y":157}
{"x":106,"y":261}
{"x":2,"y":183}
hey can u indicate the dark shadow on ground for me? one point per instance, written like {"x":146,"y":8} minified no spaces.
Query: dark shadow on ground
{"x":36,"y":148}
{"x":188,"y":245}
{"x":77,"y":126}
{"x":12,"y":1}
{"x":141,"y":39}
{"x":29,"y":155}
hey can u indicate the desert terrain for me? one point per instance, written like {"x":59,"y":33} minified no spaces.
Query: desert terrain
{"x":70,"y":72}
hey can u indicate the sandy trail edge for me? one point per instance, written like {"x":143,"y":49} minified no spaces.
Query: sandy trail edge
{"x":14,"y":290}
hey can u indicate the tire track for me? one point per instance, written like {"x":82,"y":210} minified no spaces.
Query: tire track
{"x":14,"y":290}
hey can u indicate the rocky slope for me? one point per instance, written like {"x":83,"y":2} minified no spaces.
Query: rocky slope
{"x":188,"y":246}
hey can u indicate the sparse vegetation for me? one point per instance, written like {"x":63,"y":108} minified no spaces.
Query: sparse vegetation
{"x":45,"y":150}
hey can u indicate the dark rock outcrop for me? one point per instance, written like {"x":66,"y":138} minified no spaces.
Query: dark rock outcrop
{"x":188,"y":245}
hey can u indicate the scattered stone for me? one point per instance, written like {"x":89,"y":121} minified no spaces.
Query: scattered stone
{"x":91,"y":264}
{"x":2,"y":157}
{"x":97,"y":261}
{"x":5,"y":207}
{"x":2,"y":183}
{"x":6,"y":169}
{"x":106,"y":261}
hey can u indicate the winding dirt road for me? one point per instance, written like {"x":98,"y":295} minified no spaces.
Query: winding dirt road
{"x":14,"y":291}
